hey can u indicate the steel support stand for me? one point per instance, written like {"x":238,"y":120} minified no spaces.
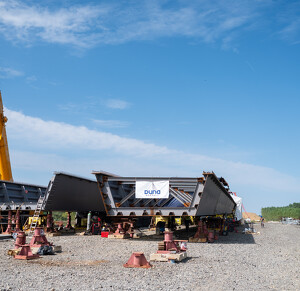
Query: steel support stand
{"x":18,"y":224}
{"x":9,"y":223}
{"x":69,"y":226}
{"x":50,"y":226}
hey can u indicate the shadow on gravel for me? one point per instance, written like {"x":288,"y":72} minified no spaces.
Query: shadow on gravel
{"x":236,"y":238}
{"x":62,"y":263}
{"x":231,"y":238}
{"x":186,"y":260}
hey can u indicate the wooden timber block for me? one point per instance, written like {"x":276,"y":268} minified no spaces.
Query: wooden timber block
{"x":119,"y":236}
{"x":13,"y":252}
{"x":178,"y":257}
{"x":166,"y":257}
{"x":198,"y":240}
{"x":35,"y":249}
{"x":193,"y":239}
{"x":54,"y":234}
{"x":202,"y":239}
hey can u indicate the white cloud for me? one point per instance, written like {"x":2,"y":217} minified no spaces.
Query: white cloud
{"x":111,"y":123}
{"x":63,"y":25}
{"x":70,"y":107}
{"x":76,"y":149}
{"x":117,"y":104}
{"x":291,"y":32}
{"x":31,"y":79}
{"x":87,"y":25}
{"x":50,"y":134}
{"x":92,"y":104}
{"x":288,"y":17}
{"x":6,"y":72}
{"x":79,"y":108}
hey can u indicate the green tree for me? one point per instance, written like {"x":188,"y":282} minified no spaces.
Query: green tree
{"x":276,"y":213}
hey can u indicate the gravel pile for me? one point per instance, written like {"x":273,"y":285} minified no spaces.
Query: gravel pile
{"x":266,"y":261}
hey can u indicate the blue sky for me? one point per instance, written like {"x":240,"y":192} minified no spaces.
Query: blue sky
{"x":155,"y":88}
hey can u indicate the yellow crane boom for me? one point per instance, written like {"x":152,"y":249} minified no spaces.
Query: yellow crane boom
{"x":5,"y":167}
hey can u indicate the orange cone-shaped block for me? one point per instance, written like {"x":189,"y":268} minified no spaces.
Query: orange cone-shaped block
{"x":137,"y":260}
{"x":26,"y":254}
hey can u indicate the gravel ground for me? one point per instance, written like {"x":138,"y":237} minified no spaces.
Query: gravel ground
{"x":266,"y":261}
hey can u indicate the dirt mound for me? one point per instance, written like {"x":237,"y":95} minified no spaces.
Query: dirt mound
{"x":252,"y":216}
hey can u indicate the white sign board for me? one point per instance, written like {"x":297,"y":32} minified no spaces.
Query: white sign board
{"x":152,"y":189}
{"x":239,"y":204}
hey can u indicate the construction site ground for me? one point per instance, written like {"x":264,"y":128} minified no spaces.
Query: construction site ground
{"x":269,"y":260}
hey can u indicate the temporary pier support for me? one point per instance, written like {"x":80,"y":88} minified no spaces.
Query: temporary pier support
{"x":137,"y":260}
{"x":26,"y":254}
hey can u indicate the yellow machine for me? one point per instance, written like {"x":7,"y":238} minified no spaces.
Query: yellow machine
{"x":178,"y":220}
{"x":5,"y":168}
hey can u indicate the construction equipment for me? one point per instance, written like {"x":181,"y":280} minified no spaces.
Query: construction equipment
{"x":5,"y":167}
{"x":36,"y":214}
{"x":15,"y":196}
{"x":179,"y":220}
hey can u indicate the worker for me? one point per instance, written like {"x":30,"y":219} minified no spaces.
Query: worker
{"x":78,"y":219}
{"x":187,"y":222}
{"x":262,"y":222}
{"x":171,"y":223}
{"x":160,"y":227}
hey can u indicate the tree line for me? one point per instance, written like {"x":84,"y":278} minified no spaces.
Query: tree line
{"x":276,"y":213}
